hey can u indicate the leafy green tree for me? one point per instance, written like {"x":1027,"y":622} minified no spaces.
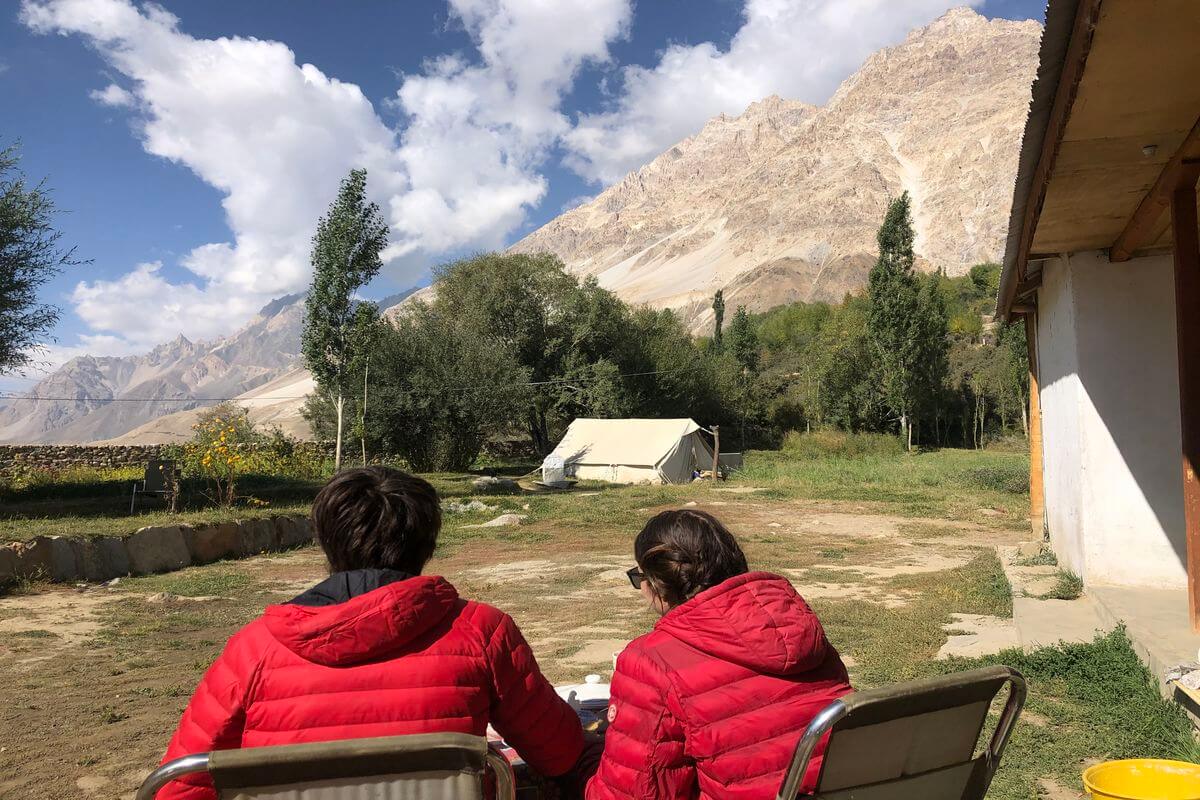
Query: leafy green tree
{"x":1014,"y":354}
{"x":893,"y":321}
{"x":934,"y":348}
{"x":345,"y":257}
{"x":440,"y":390}
{"x":520,"y":301}
{"x":30,"y":256}
{"x":743,"y":341}
{"x":849,"y":391}
{"x":718,"y":307}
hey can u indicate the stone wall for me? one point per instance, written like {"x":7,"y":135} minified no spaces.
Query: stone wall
{"x":148,"y":550}
{"x":14,"y":457}
{"x":61,"y":456}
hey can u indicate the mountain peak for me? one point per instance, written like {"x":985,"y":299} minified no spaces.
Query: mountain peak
{"x":280,"y":303}
{"x":782,"y":202}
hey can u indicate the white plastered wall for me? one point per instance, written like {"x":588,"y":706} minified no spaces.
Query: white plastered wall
{"x":1110,"y":419}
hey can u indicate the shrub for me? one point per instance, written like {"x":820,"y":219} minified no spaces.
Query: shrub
{"x":839,"y":444}
{"x":1001,"y":477}
{"x":1067,"y":586}
{"x":279,"y":454}
{"x":218,"y":449}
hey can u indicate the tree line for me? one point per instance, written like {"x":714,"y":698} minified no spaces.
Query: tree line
{"x":512,"y":346}
{"x":913,"y":355}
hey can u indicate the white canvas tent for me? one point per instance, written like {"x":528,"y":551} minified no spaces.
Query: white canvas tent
{"x":633,"y":450}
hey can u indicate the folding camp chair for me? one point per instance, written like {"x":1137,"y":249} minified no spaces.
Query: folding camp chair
{"x":436,"y":766}
{"x":911,"y":740}
{"x":156,"y":481}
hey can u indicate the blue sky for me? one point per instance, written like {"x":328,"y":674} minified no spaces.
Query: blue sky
{"x":191,"y":149}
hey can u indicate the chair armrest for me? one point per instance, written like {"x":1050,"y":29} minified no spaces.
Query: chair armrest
{"x":187,"y":765}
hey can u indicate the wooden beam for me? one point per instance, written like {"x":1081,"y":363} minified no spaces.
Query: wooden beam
{"x":1143,"y":227}
{"x":1028,"y":286}
{"x":1037,"y":502}
{"x":1087,"y":15}
{"x":1187,"y":327}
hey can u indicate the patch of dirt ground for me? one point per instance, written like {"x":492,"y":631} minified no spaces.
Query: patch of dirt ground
{"x":95,"y":680}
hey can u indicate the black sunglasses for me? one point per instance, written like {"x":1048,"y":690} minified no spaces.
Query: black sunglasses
{"x":635,"y":577}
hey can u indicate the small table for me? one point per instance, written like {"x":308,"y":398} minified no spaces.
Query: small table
{"x":590,"y":702}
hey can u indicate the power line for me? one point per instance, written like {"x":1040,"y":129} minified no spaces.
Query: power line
{"x":547,"y":382}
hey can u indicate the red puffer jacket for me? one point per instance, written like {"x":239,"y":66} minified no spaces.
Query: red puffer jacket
{"x":712,"y":702}
{"x":375,"y":653}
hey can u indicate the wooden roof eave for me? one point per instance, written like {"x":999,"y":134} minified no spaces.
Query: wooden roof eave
{"x":1066,"y":42}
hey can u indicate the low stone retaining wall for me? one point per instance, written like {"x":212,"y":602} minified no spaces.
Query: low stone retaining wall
{"x":61,"y":456}
{"x":14,"y":457}
{"x":148,"y":550}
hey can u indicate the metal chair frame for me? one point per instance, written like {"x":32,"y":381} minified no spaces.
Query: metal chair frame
{"x":828,"y":718}
{"x":506,"y":782}
{"x":163,"y":467}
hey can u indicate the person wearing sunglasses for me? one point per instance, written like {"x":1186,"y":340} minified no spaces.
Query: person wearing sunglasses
{"x":710,"y":703}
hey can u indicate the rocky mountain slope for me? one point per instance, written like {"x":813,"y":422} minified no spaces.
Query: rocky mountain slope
{"x":101,"y":397}
{"x":782,"y":203}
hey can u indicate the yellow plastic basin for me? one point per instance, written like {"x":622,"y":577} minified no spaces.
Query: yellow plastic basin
{"x":1143,"y":779}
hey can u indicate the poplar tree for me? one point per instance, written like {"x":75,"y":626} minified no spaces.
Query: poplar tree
{"x":743,"y":341}
{"x":893,"y":318}
{"x":718,"y":307}
{"x":345,"y":257}
{"x":933,"y":339}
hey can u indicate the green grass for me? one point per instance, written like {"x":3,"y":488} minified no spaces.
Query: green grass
{"x":1045,"y":558}
{"x":20,"y":527}
{"x":838,"y":444}
{"x":1067,"y":586}
{"x":213,"y":580}
{"x":1101,"y":703}
{"x":974,"y":485}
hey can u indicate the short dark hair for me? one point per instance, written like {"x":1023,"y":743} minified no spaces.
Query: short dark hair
{"x":377,"y":518}
{"x":684,"y":552}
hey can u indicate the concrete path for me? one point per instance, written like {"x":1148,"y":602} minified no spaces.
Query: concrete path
{"x":1039,"y":622}
{"x":1035,"y":622}
{"x":1157,"y":623}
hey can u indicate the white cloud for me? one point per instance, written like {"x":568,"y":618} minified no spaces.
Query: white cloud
{"x":166,"y":310}
{"x":275,"y":137}
{"x":799,"y":49}
{"x":113,"y":96}
{"x":3,"y":68}
{"x":478,"y":133}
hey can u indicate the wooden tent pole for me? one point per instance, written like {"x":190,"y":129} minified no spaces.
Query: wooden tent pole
{"x":1187,"y":326}
{"x":716,"y":450}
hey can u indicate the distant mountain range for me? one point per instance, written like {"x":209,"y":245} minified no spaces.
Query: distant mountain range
{"x":782,"y":203}
{"x":776,"y":205}
{"x":103,"y":397}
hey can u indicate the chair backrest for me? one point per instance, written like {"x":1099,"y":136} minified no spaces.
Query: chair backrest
{"x":157,"y":473}
{"x":910,"y":740}
{"x":439,"y":766}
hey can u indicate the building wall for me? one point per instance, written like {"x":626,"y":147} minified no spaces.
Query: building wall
{"x":1110,"y":415}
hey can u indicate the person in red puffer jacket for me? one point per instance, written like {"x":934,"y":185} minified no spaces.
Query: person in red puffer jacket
{"x":712,"y":702}
{"x":377,"y":649}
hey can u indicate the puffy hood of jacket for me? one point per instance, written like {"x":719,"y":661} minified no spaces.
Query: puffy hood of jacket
{"x":756,"y":620}
{"x":361,"y":615}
